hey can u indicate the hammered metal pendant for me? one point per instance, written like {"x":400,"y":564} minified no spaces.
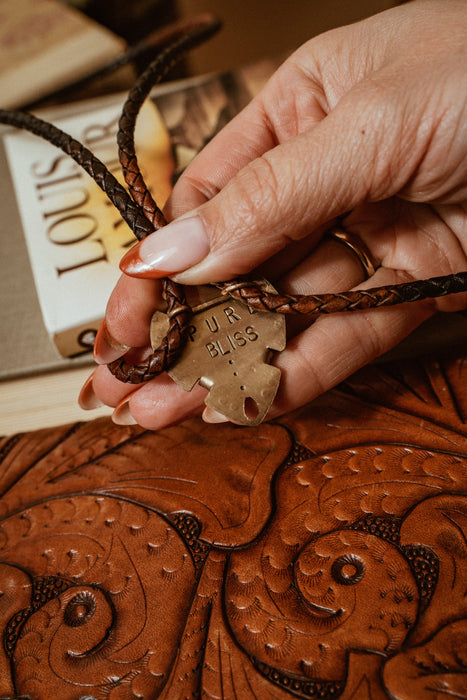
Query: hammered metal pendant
{"x":228,"y":352}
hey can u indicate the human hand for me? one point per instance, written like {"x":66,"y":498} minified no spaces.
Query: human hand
{"x":368,"y":119}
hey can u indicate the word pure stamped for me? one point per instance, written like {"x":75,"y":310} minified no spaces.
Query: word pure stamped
{"x":228,"y":352}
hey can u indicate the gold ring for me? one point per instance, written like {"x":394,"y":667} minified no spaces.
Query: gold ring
{"x":357,"y":246}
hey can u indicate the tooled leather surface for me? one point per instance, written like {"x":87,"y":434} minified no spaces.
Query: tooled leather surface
{"x":320,"y":556}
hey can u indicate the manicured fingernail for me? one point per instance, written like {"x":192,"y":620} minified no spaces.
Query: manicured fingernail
{"x":87,"y":399}
{"x":175,"y":248}
{"x":122,"y":414}
{"x":106,"y":348}
{"x":211,"y":416}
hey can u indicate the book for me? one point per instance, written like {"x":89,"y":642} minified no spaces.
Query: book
{"x":44,"y":400}
{"x":75,"y":237}
{"x":44,"y":45}
{"x":62,"y":238}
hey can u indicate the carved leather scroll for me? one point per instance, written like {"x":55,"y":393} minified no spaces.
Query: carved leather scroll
{"x":321,"y":556}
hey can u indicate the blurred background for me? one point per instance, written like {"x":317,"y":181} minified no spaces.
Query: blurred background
{"x":252,"y":31}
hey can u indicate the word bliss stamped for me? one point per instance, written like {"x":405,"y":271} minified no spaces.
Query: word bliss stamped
{"x":228,"y":352}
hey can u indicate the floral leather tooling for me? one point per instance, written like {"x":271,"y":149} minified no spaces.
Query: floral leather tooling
{"x":319,"y":556}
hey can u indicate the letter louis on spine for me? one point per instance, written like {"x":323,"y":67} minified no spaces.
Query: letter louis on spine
{"x":75,"y":238}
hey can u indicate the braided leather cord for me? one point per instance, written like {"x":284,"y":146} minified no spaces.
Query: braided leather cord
{"x":117,"y":194}
{"x":377,"y":297}
{"x":165,"y":355}
{"x":190,"y":35}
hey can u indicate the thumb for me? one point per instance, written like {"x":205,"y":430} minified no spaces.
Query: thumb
{"x":284,"y":195}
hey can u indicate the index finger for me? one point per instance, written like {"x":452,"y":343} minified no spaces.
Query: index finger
{"x":127,"y":318}
{"x":277,"y":113}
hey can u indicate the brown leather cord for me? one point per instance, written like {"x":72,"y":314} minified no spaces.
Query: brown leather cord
{"x":317,"y":304}
{"x":151,"y":44}
{"x":130,"y":212}
{"x":143,"y":216}
{"x":179,"y":313}
{"x":193,"y":33}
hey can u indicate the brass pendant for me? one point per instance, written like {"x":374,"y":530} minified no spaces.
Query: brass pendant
{"x":228,"y":352}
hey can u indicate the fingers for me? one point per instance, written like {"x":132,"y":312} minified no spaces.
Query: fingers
{"x":420,"y":240}
{"x":413,"y":238}
{"x":161,"y":400}
{"x":335,"y":346}
{"x":282,"y":196}
{"x":155,"y":405}
{"x":314,"y":361}
{"x":276,"y":175}
{"x":127,"y":319}
{"x":159,"y":405}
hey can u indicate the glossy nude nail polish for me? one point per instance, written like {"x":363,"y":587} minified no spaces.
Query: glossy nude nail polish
{"x":106,"y":348}
{"x":122,"y":414}
{"x":212,"y":416}
{"x":177,"y":247}
{"x":87,"y":398}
